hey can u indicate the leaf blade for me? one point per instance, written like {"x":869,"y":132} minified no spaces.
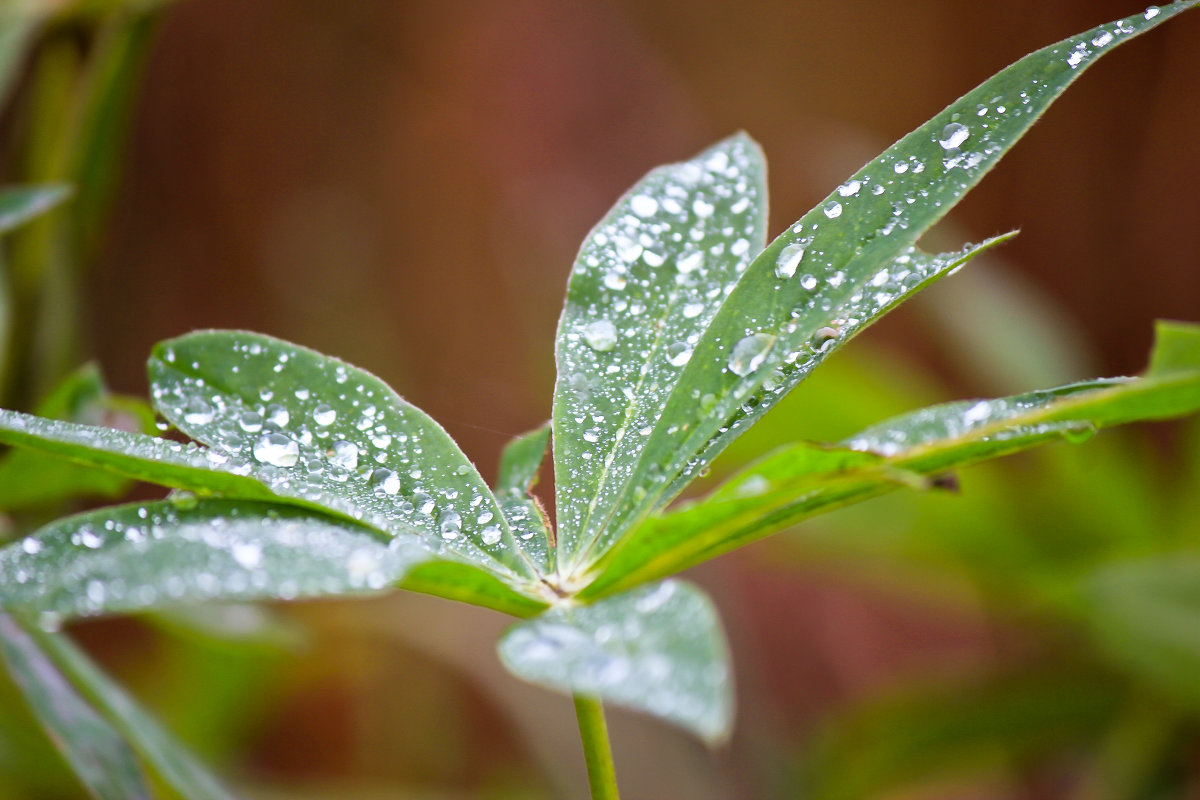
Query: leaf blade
{"x":843,"y":253}
{"x":642,"y":290}
{"x":658,"y":649}
{"x":20,"y":204}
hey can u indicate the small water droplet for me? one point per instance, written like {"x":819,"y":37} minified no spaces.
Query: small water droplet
{"x":643,"y":205}
{"x":678,"y":353}
{"x":953,"y":135}
{"x":451,"y":525}
{"x":343,"y":454}
{"x":1102,"y":38}
{"x":250,"y":422}
{"x":277,"y":450}
{"x":849,"y":188}
{"x":833,"y":209}
{"x":693,"y":310}
{"x":247,"y":554}
{"x":614,"y":280}
{"x":490,"y":535}
{"x":808,"y":283}
{"x":823,"y":335}
{"x":197,"y":412}
{"x":749,"y":353}
{"x":600,"y":335}
{"x":789,"y":259}
{"x":1151,"y":12}
{"x":385,"y":481}
{"x":278,"y":416}
{"x":324,"y":414}
{"x":702,"y":209}
{"x":691,"y":262}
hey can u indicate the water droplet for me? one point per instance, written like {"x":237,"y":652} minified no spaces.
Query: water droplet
{"x":823,"y":335}
{"x":386,"y":481}
{"x":1102,"y":38}
{"x":600,"y":335}
{"x":643,"y":205}
{"x":789,"y":260}
{"x":1079,"y":433}
{"x":953,"y":135}
{"x":324,"y":414}
{"x":490,"y":535}
{"x":1151,"y":12}
{"x":250,"y":422}
{"x":748,"y":354}
{"x":197,"y":412}
{"x":247,"y":554}
{"x":451,"y":525}
{"x":31,"y":546}
{"x":691,"y":262}
{"x":740,"y":247}
{"x":277,"y":450}
{"x":278,"y":416}
{"x":343,"y":454}
{"x":702,"y":209}
{"x":833,"y":209}
{"x":653,"y":259}
{"x":614,"y":280}
{"x":678,"y":353}
{"x":693,"y":310}
{"x":849,"y":188}
{"x":808,"y":283}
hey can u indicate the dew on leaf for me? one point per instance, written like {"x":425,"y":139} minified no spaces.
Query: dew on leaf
{"x":600,"y":335}
{"x":277,"y":450}
{"x":749,"y":353}
{"x":324,"y":414}
{"x":953,"y":136}
{"x":789,"y":259}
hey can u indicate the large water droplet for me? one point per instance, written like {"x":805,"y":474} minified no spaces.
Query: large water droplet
{"x":1151,"y":12}
{"x":678,"y":353}
{"x":953,"y":135}
{"x":344,"y":454}
{"x":691,"y":262}
{"x":600,"y":335}
{"x":277,"y":450}
{"x":385,"y":481}
{"x":833,"y":209}
{"x":197,"y":412}
{"x":490,"y":535}
{"x":702,"y":209}
{"x":451,"y":525}
{"x":278,"y":416}
{"x":324,"y":414}
{"x":789,"y":259}
{"x":643,"y":205}
{"x":614,"y":280}
{"x":748,"y":354}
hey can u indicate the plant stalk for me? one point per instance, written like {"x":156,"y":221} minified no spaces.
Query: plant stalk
{"x":602,"y":775}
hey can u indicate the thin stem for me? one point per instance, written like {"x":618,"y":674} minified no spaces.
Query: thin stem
{"x":602,"y":776}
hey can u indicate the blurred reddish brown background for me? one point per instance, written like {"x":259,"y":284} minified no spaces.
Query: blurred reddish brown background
{"x":404,"y":185}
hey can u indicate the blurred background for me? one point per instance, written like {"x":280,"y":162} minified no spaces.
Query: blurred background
{"x":404,"y":185}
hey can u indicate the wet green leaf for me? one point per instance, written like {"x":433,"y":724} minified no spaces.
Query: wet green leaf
{"x":519,"y":465}
{"x":825,"y":278}
{"x":912,"y":450}
{"x":657,"y":649}
{"x":97,"y":754}
{"x":316,"y":429}
{"x":646,"y":284}
{"x":147,"y":555}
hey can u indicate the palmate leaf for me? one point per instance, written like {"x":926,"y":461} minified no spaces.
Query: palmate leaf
{"x":317,"y":429}
{"x":646,"y":284}
{"x":97,"y":754}
{"x":841,"y":266}
{"x":804,"y":479}
{"x":657,"y":648}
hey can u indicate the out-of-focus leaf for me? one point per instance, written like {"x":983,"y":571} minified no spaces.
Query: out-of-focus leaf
{"x":1145,"y":615}
{"x":803,"y":479}
{"x":17,"y":30}
{"x":20,"y":204}
{"x":140,"y":556}
{"x":29,"y":478}
{"x":166,"y":759}
{"x":97,"y":754}
{"x":657,"y":649}
{"x":521,"y":460}
{"x":315,"y":428}
{"x":841,"y":266}
{"x":897,"y":742}
{"x":646,"y":284}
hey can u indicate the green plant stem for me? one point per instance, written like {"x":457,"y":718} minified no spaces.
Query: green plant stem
{"x":602,"y":776}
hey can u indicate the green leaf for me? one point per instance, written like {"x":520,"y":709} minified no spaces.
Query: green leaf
{"x":29,"y":478}
{"x":657,"y":649}
{"x":146,"y":555}
{"x":318,"y":430}
{"x":828,"y":276}
{"x":804,"y":479}
{"x":646,"y":284}
{"x":97,"y":754}
{"x":20,"y":204}
{"x":173,"y":765}
{"x":519,"y":465}
{"x":145,"y":458}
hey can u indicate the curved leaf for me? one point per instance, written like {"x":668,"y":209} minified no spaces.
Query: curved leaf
{"x":657,"y":649}
{"x":519,"y":465}
{"x":646,"y":284}
{"x":838,"y":268}
{"x":804,"y":479}
{"x":139,"y":556}
{"x":97,"y":754}
{"x":315,"y":428}
{"x":20,"y":204}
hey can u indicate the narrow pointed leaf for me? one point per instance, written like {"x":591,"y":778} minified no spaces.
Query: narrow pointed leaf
{"x":20,"y":204}
{"x":315,"y":428}
{"x":96,"y":753}
{"x":169,"y":761}
{"x":145,"y":458}
{"x":657,"y":649}
{"x":519,"y":465}
{"x":804,"y":479}
{"x":140,"y":556}
{"x":645,"y":286}
{"x":848,"y":254}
